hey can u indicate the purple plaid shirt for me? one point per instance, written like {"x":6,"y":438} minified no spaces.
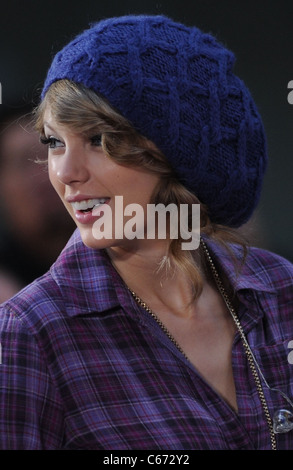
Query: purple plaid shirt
{"x":84,"y":367}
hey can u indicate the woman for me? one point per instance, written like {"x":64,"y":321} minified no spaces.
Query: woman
{"x":132,"y":342}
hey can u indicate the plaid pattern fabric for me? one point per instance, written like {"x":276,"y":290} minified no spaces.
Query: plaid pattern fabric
{"x":84,"y":367}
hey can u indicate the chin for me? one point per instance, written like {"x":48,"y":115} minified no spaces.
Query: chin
{"x":91,"y":242}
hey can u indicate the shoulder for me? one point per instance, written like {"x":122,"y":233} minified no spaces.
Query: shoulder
{"x":269,"y":267}
{"x":258,"y":269}
{"x":43,"y":299}
{"x":39,"y":301}
{"x":75,"y":284}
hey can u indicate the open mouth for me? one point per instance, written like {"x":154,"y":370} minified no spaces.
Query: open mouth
{"x":89,"y":204}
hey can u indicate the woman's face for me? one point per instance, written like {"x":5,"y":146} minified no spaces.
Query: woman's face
{"x":89,"y":182}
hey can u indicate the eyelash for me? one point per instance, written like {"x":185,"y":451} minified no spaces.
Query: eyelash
{"x":50,"y":141}
{"x":96,"y":140}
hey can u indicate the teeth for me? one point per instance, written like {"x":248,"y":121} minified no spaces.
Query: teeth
{"x":88,"y":204}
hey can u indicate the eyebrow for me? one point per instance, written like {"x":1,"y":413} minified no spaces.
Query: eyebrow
{"x":50,"y":129}
{"x":48,"y":126}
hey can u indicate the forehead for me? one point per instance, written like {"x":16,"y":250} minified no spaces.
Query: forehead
{"x":47,"y":116}
{"x":50,"y":122}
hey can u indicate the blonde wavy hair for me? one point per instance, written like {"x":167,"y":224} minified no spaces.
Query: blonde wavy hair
{"x":84,"y":111}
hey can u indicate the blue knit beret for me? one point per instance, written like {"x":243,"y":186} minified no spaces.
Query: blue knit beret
{"x":176,"y":86}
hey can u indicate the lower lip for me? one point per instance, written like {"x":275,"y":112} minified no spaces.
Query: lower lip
{"x":88,"y":217}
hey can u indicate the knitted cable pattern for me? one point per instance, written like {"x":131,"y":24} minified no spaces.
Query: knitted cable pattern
{"x":176,"y":86}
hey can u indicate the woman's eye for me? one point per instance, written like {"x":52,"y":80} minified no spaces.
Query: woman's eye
{"x":52,"y":142}
{"x":96,"y":140}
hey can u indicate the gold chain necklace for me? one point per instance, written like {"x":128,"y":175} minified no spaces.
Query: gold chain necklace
{"x":161,"y":324}
{"x":248,"y":352}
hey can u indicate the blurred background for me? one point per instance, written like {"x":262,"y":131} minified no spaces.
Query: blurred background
{"x":31,"y":32}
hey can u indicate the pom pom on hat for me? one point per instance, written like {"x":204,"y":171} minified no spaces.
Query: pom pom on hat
{"x":176,"y":86}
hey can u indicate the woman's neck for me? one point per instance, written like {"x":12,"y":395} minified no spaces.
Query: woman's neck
{"x":160,"y":285}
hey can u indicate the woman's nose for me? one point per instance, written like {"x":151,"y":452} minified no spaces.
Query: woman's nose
{"x":71,"y":167}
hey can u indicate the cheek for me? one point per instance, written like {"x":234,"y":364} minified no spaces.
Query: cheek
{"x":144,"y":190}
{"x":136,"y":186}
{"x":52,"y":172}
{"x":58,"y":186}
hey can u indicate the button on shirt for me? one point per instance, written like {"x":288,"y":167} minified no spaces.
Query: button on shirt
{"x":84,"y":367}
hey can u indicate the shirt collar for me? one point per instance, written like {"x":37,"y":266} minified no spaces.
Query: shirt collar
{"x":250,"y":283}
{"x":89,"y":282}
{"x":86,"y":278}
{"x":250,"y":275}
